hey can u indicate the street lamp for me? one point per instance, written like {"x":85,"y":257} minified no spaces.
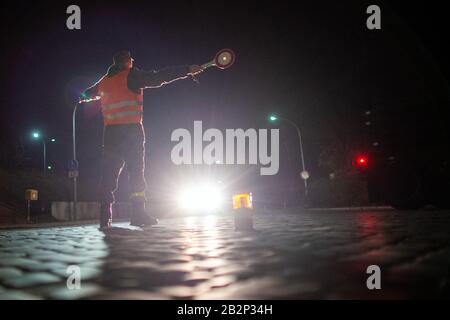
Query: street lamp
{"x":74,"y":161}
{"x":304,"y":173}
{"x":36,"y":135}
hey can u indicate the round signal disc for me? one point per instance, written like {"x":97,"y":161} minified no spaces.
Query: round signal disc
{"x":224,"y":58}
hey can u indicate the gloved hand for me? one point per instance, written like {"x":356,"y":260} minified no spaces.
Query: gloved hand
{"x":85,"y":98}
{"x":195,"y":69}
{"x":82,"y":97}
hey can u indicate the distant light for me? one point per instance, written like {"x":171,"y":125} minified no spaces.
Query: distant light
{"x":36,"y":135}
{"x":361,"y":161}
{"x":368,"y":123}
{"x":305,"y":175}
{"x":53,"y":140}
{"x":375,"y":144}
{"x":368,"y":112}
{"x":49,"y":167}
{"x":273,"y":118}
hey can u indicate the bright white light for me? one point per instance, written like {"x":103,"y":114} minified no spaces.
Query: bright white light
{"x":204,"y":197}
{"x":305,"y":175}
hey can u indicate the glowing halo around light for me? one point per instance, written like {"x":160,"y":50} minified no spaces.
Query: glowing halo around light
{"x":203,"y":197}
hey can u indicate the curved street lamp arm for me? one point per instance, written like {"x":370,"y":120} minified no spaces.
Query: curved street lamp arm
{"x":301,"y":150}
{"x":299,"y":138}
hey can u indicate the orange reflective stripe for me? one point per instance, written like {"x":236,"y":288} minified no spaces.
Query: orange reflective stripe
{"x":125,"y":114}
{"x":117,"y":110}
{"x":125,"y":120}
{"x":121,"y":104}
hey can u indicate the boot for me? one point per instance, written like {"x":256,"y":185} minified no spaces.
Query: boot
{"x":105,"y":216}
{"x":140,"y":217}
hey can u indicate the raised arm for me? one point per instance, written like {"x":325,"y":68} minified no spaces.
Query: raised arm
{"x":141,"y":79}
{"x":91,"y":93}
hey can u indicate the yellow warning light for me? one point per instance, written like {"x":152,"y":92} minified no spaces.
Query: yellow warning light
{"x":242,"y":201}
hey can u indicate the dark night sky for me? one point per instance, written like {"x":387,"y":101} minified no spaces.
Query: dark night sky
{"x":312,"y":61}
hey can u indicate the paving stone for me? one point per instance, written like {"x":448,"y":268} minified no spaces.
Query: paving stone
{"x":5,"y":255}
{"x":86,"y":273}
{"x":178,"y":292}
{"x":31,"y":279}
{"x":84,"y":292}
{"x":222,"y":281}
{"x":63,"y":258}
{"x":131,"y":295}
{"x":17,"y":295}
{"x":6,"y":273}
{"x":305,"y":255}
{"x":17,"y":262}
{"x":45,"y":266}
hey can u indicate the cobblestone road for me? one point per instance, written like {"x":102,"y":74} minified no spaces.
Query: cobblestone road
{"x":321,"y":255}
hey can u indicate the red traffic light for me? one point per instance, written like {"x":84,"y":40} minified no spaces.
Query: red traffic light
{"x":361,"y":161}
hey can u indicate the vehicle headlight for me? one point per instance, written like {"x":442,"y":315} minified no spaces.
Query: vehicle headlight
{"x":203,"y":197}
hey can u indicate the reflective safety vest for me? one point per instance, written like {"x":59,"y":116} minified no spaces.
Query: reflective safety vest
{"x":119,"y":104}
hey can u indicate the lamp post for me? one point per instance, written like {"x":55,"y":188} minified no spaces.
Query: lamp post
{"x":45,"y":155}
{"x":304,"y":174}
{"x":74,"y":156}
{"x":84,"y":99}
{"x":37,"y":136}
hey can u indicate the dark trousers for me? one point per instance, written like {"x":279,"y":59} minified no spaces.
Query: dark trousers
{"x":123,"y":146}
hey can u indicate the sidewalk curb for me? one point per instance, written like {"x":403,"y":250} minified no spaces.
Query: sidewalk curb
{"x":371,"y":208}
{"x":58,"y":224}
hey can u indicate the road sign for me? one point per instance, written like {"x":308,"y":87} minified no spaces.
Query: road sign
{"x":73,"y":173}
{"x":72,"y":165}
{"x":31,"y":194}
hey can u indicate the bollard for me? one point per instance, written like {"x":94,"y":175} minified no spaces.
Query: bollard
{"x":243,"y":211}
